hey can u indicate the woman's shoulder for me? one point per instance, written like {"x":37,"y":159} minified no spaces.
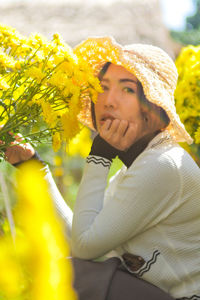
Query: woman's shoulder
{"x":165,"y":156}
{"x":164,"y":147}
{"x":162,"y":153}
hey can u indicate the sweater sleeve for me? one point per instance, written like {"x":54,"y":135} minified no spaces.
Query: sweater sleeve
{"x":146,"y":194}
{"x":63,"y":210}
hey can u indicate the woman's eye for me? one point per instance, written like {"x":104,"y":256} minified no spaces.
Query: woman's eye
{"x":129,"y":90}
{"x":104,"y":87}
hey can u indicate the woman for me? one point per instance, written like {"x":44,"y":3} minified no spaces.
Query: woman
{"x":149,"y":215}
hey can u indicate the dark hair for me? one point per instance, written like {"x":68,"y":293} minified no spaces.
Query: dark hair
{"x":100,"y":76}
{"x":146,"y":103}
{"x":149,"y":106}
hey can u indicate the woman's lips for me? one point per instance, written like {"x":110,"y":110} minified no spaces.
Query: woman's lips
{"x":103,"y":121}
{"x":105,"y":118}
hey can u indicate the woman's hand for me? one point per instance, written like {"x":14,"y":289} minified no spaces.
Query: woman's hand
{"x":120,"y":134}
{"x":18,"y":151}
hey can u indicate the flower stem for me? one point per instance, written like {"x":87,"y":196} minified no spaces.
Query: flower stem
{"x":7,"y":206}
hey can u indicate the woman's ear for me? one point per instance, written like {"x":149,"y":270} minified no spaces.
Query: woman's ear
{"x":154,"y":121}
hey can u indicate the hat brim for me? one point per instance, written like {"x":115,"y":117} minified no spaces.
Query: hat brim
{"x":152,"y":67}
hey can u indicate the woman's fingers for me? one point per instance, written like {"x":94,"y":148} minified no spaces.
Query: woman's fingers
{"x":131,"y":136}
{"x":18,"y":150}
{"x":109,"y":128}
{"x":17,"y":153}
{"x":123,"y":127}
{"x":119,"y":133}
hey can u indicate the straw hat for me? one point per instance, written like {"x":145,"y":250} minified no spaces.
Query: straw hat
{"x":153,"y":68}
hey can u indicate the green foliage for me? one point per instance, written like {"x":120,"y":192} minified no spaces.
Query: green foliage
{"x":191,"y":34}
{"x":193,"y":22}
{"x":191,"y":37}
{"x":8,"y":172}
{"x":116,"y":165}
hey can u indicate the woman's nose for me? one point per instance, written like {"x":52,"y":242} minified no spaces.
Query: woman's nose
{"x":111,"y":98}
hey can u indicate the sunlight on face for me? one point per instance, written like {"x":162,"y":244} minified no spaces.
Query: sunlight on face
{"x":120,"y":98}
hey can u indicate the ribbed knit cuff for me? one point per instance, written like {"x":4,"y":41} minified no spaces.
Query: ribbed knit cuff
{"x":101,"y":148}
{"x":128,"y":157}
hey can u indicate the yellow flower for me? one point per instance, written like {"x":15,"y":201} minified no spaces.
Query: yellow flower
{"x":197,"y":135}
{"x":6,"y":61}
{"x":58,"y":172}
{"x":37,"y":40}
{"x":11,"y":278}
{"x":18,"y":92}
{"x":187,"y":93}
{"x":18,"y":65}
{"x":59,"y":79}
{"x":70,"y":125}
{"x":43,"y":79}
{"x":51,"y":270}
{"x":50,"y":116}
{"x":57,"y":160}
{"x":80,"y":144}
{"x":56,"y":139}
{"x":35,"y":73}
{"x":39,"y":56}
{"x":57,"y":39}
{"x":3,"y":84}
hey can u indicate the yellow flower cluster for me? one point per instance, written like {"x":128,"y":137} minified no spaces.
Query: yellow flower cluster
{"x":80,"y":144}
{"x":37,"y":266}
{"x":12,"y":281}
{"x":187,"y":94}
{"x":45,"y":80}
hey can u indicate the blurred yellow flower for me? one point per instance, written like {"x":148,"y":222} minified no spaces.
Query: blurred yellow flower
{"x":6,"y":61}
{"x":187,"y":94}
{"x":50,"y":116}
{"x":57,"y":160}
{"x":58,"y":172}
{"x":51,"y":270}
{"x":70,"y":125}
{"x":12,"y":281}
{"x":80,"y":144}
{"x":3,"y":84}
{"x":35,"y":73}
{"x":56,"y":141}
{"x":18,"y":92}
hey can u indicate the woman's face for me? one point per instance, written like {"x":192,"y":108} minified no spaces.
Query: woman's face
{"x":120,"y":98}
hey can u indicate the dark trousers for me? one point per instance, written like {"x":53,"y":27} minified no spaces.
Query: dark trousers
{"x":108,"y":281}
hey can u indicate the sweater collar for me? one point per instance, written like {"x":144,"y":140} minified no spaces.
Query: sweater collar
{"x":147,"y":142}
{"x":160,"y":138}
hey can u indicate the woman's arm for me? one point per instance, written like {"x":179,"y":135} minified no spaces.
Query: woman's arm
{"x":64,"y":211}
{"x":145,"y":195}
{"x":20,"y":153}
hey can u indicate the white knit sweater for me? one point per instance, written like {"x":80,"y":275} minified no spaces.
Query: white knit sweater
{"x":151,"y":209}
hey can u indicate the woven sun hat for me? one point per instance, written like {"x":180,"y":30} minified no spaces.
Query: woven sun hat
{"x":151,"y":65}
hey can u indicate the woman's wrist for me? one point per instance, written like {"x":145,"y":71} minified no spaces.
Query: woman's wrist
{"x":35,"y":156}
{"x":128,"y":157}
{"x":103,"y":149}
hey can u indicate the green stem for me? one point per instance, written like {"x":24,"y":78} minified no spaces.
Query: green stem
{"x":7,"y":206}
